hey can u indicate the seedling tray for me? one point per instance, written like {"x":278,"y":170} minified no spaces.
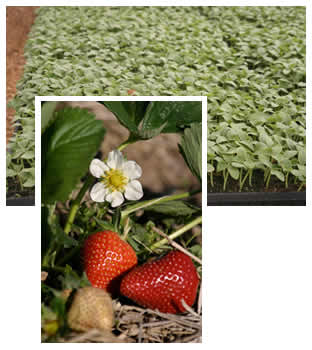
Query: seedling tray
{"x":257,"y":198}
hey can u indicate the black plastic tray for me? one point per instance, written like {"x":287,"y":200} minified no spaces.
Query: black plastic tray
{"x":257,"y":198}
{"x":22,"y":201}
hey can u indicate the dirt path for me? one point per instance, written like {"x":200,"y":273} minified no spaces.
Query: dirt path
{"x":19,"y":20}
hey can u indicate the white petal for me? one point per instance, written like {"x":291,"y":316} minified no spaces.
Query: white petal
{"x":98,"y":192}
{"x":115,"y":159}
{"x":115,"y":198}
{"x":134,"y":190}
{"x":131,"y":169}
{"x":97,"y":168}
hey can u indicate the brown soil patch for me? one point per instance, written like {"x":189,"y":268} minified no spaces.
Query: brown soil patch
{"x":19,"y":20}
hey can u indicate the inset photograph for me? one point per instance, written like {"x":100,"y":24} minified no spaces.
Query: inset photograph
{"x":121,"y":193}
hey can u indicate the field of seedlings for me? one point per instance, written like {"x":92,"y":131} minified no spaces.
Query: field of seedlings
{"x":248,"y":61}
{"x":256,"y":103}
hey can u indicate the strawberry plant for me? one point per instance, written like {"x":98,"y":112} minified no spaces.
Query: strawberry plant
{"x":100,"y":232}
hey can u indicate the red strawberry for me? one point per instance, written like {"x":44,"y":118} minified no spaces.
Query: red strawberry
{"x":162,"y":284}
{"x":106,"y":258}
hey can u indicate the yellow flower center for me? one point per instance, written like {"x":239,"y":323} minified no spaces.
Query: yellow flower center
{"x":115,"y":180}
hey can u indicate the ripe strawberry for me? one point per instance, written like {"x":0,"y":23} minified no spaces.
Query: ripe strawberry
{"x":106,"y":258}
{"x":162,"y":284}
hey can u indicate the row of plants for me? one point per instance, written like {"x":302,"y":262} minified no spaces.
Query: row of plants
{"x":248,"y":61}
{"x":277,"y":152}
{"x":99,"y":232}
{"x":256,"y":111}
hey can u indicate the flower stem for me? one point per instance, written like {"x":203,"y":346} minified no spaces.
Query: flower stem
{"x":177,"y":233}
{"x":75,"y":206}
{"x":132,"y":208}
{"x":128,"y":142}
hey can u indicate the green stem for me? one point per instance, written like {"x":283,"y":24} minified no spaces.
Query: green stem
{"x":243,"y":181}
{"x":211,"y":179}
{"x":250,"y":175}
{"x":132,"y":208}
{"x":286,"y":180}
{"x":177,"y":233}
{"x":268,"y":180}
{"x":128,"y":142}
{"x":240,"y":178}
{"x":225,"y":175}
{"x":76,"y":203}
{"x":55,"y":268}
{"x":46,"y":258}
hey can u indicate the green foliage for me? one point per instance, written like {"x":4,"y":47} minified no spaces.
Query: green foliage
{"x":47,"y":114}
{"x":147,"y":120}
{"x":171,"y":116}
{"x":248,"y":61}
{"x":256,"y":108}
{"x":191,"y":149}
{"x":70,"y":279}
{"x":68,"y":146}
{"x":20,"y":157}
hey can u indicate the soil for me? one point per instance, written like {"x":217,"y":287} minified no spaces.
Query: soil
{"x":14,"y":190}
{"x":19,"y":20}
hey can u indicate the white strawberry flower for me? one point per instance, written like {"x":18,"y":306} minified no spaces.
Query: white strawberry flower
{"x":118,"y":179}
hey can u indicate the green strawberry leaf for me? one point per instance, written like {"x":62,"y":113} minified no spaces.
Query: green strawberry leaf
{"x":191,"y":149}
{"x":71,"y":279}
{"x":147,"y":120}
{"x":48,"y":115}
{"x":136,"y":109}
{"x":68,"y":147}
{"x":171,"y":116}
{"x":104,"y":225}
{"x":61,"y":238}
{"x":125,"y":113}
